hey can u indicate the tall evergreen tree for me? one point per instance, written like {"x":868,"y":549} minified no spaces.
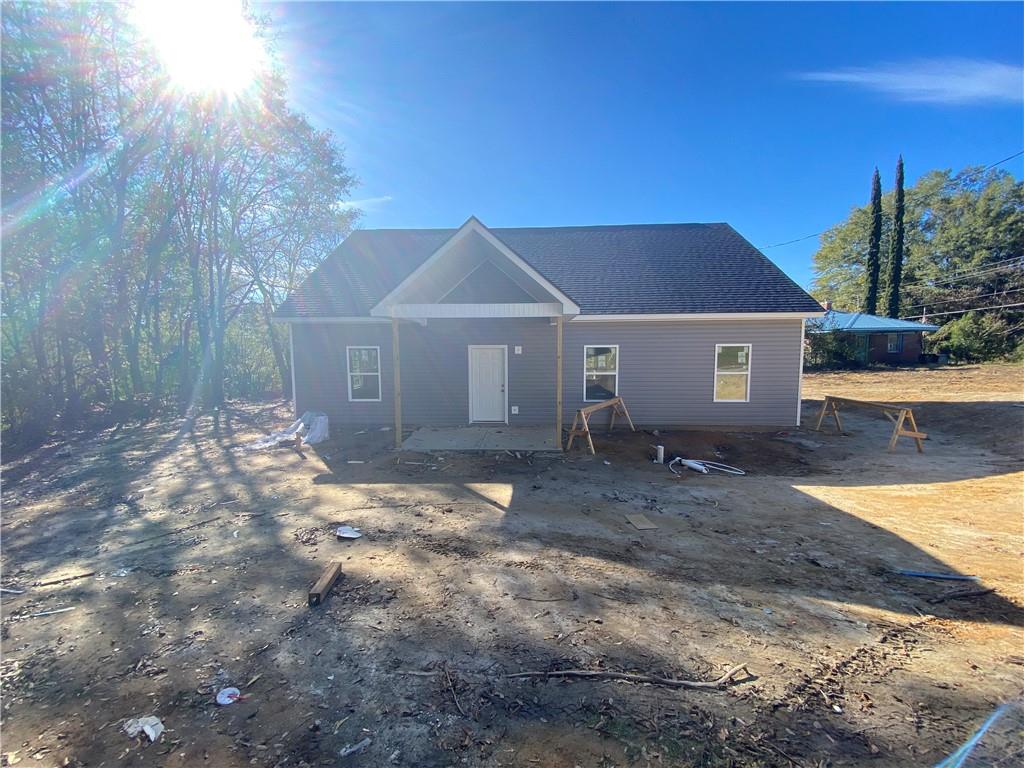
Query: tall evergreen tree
{"x":874,"y":247}
{"x":892,"y":288}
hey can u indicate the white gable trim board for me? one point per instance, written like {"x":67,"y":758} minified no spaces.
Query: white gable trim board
{"x":387,"y":306}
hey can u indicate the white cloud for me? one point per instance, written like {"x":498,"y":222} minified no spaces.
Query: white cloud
{"x":937,"y":81}
{"x":367,"y":204}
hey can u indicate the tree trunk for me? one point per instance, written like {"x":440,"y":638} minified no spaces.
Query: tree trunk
{"x":72,"y":401}
{"x":281,"y":360}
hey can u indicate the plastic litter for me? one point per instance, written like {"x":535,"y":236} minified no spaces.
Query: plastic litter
{"x":312,"y":427}
{"x":226,"y":696}
{"x":151,"y":726}
{"x":352,"y":749}
{"x":347,"y":532}
{"x":659,"y":454}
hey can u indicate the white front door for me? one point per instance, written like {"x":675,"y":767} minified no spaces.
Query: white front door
{"x":487,"y":383}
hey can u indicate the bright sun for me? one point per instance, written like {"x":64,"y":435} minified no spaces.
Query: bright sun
{"x":206,"y":47}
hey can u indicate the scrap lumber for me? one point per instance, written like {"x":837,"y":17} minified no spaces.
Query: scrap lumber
{"x":897,"y":414}
{"x":641,"y":523}
{"x":720,"y":683}
{"x":581,"y":423}
{"x":325,"y":583}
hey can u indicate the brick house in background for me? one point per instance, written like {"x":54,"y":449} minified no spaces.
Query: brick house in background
{"x":878,"y":339}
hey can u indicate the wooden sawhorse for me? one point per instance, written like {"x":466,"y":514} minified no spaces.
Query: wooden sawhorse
{"x":581,"y":425}
{"x":897,"y":414}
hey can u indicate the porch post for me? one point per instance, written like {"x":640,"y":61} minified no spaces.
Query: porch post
{"x":558,"y":380}
{"x":396,"y":365}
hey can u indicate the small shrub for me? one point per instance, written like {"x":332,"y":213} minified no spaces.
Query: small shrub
{"x":829,"y":351}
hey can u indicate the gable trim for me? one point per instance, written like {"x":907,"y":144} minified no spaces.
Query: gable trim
{"x":385,"y":307}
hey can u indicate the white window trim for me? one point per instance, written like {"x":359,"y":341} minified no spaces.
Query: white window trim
{"x":618,"y":365}
{"x":349,"y":375}
{"x":750,"y":368}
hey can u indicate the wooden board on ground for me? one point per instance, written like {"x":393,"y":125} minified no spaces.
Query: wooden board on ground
{"x":325,"y":583}
{"x":897,"y":414}
{"x":641,"y":523}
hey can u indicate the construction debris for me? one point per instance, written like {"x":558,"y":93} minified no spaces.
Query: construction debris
{"x":325,"y":583}
{"x":592,"y":674}
{"x":353,"y":749}
{"x":311,"y":429}
{"x":151,"y":726}
{"x":348,"y":532}
{"x":641,"y":523}
{"x":702,"y":466}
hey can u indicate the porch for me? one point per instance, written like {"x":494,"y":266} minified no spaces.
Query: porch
{"x":482,"y":438}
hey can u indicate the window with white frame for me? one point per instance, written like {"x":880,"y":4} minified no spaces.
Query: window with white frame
{"x":732,"y":373}
{"x":363,"y":374}
{"x":895,"y":342}
{"x":600,"y":372}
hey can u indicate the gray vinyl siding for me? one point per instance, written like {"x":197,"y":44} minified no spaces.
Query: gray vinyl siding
{"x":666,"y":370}
{"x":321,"y":382}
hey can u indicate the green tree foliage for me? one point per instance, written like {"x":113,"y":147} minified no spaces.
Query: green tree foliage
{"x":828,"y":351}
{"x":964,"y":250}
{"x":896,"y":243}
{"x":873,"y":265}
{"x":148,"y":235}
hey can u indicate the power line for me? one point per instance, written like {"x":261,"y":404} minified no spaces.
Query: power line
{"x":966,"y":298}
{"x":909,"y":199}
{"x":961,"y":311}
{"x":963,"y":275}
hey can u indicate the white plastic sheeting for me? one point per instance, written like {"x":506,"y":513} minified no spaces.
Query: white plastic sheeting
{"x":312,"y":427}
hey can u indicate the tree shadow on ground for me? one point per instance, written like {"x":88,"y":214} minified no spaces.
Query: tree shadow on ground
{"x":197,"y":608}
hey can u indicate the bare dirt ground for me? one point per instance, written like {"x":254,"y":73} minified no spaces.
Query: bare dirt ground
{"x":187,"y":563}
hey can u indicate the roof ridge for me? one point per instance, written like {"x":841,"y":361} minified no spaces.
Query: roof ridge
{"x":653,"y":225}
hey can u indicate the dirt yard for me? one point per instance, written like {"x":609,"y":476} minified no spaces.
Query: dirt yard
{"x":185,"y":563}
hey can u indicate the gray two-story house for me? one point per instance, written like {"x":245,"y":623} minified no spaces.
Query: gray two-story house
{"x":689,"y":323}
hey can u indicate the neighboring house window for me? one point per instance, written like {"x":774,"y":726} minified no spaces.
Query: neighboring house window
{"x":363,"y":373}
{"x":732,"y":373}
{"x":600,"y":373}
{"x":895,"y":342}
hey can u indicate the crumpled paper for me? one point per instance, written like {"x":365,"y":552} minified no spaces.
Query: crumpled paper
{"x":151,"y":726}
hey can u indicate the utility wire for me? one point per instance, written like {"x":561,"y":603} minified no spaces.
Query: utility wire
{"x":966,"y":298}
{"x":973,"y":270}
{"x":908,"y":199}
{"x":961,"y":311}
{"x":964,"y":275}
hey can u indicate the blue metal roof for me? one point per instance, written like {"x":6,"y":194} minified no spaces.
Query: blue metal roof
{"x":859,"y":322}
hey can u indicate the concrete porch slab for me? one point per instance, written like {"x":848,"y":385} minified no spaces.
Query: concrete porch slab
{"x":482,"y":439}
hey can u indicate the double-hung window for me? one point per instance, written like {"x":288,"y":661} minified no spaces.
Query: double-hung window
{"x":600,"y":373}
{"x":363,"y":374}
{"x":732,"y":373}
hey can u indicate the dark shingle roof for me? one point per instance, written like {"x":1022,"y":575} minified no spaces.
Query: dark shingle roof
{"x":606,"y":270}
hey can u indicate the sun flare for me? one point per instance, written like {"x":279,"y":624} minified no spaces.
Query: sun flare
{"x":206,"y":47}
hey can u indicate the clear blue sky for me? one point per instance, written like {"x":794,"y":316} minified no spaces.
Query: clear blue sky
{"x":770,"y":117}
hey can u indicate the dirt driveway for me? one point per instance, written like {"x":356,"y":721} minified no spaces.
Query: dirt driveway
{"x":186,"y":562}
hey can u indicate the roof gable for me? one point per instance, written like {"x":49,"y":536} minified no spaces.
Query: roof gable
{"x":450,"y":263}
